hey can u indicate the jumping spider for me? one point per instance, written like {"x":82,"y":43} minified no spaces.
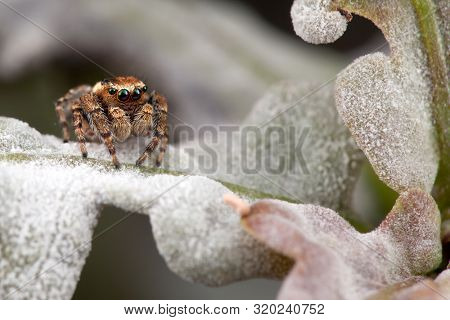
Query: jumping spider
{"x":113,"y":110}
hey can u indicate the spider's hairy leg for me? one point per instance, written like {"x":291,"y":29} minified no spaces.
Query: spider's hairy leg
{"x":162,"y":147}
{"x":150,"y":148}
{"x":78,"y":124}
{"x":62,"y":103}
{"x":120,"y":123}
{"x":100,"y":123}
{"x":89,"y":134}
{"x":62,"y":118}
{"x":159,"y":128}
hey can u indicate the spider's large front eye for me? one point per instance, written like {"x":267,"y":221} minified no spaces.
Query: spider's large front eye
{"x":136,"y":94}
{"x":123,"y":95}
{"x":112,"y":91}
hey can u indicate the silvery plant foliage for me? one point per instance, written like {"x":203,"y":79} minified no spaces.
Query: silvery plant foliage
{"x":217,"y":227}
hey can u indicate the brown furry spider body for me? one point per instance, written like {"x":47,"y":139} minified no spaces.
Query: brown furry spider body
{"x":113,"y":110}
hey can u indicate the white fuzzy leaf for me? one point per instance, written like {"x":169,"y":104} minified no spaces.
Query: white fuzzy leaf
{"x":301,"y":149}
{"x":53,"y":198}
{"x":315,"y":22}
{"x":386,"y":101}
{"x":50,"y":205}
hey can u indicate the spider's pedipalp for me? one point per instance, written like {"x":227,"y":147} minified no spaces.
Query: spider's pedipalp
{"x":143,"y":120}
{"x":120,"y":123}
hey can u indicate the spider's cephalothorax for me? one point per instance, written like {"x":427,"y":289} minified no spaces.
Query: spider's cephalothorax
{"x":113,"y":110}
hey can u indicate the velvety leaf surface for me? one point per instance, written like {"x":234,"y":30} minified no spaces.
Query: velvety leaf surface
{"x":47,"y":185}
{"x":333,"y":260}
{"x":419,"y":288}
{"x":315,"y":22}
{"x":396,"y":106}
{"x":386,"y":101}
{"x":51,"y":202}
{"x":292,"y":144}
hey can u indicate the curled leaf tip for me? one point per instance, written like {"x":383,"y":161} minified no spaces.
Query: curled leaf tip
{"x":316,"y":22}
{"x":239,"y":205}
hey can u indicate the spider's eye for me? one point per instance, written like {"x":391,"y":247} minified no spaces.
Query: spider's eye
{"x":123,"y":95}
{"x":136,"y":94}
{"x":112,"y":91}
{"x":144,"y":89}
